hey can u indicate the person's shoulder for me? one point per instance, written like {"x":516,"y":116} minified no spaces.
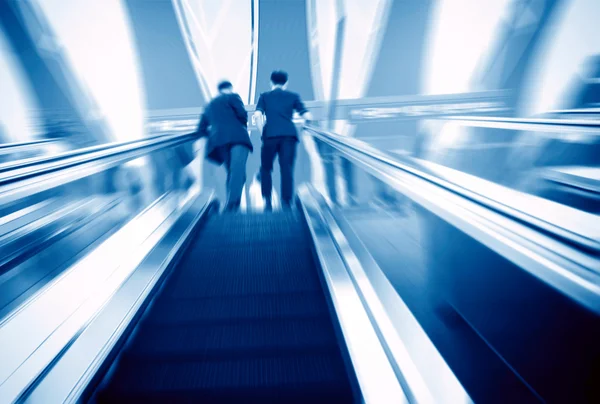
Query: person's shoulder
{"x":235,"y":97}
{"x":292,"y":94}
{"x":208,"y":105}
{"x":217,"y":100}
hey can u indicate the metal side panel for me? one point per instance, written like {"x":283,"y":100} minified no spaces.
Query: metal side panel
{"x":424,"y":374}
{"x":10,"y":207}
{"x":9,"y":239}
{"x":26,"y":241}
{"x":376,"y":377}
{"x":28,"y":214}
{"x":67,"y":378}
{"x":572,"y":272}
{"x":32,"y":276}
{"x":31,"y":340}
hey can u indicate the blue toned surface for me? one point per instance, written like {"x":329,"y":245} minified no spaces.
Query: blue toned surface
{"x":242,"y":317}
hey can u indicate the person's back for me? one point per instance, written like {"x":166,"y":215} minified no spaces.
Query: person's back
{"x":228,"y":121}
{"x":279,"y":105}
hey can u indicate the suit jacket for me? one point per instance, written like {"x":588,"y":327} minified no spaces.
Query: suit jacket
{"x":279,"y":105}
{"x":225,"y":122}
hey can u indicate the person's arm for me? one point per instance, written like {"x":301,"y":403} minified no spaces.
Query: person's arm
{"x":259,"y":114}
{"x":301,"y":109}
{"x":259,"y":120}
{"x":203,"y":126}
{"x":240,"y":110}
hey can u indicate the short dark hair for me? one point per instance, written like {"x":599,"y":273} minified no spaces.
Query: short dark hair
{"x":279,"y":77}
{"x":224,"y":85}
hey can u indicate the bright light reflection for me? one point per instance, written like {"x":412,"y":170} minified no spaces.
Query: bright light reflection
{"x":256,"y":202}
{"x":365,"y":23}
{"x":99,"y":46}
{"x":73,"y":298}
{"x":563,"y":57}
{"x":20,"y":213}
{"x":221,"y":33}
{"x":461,"y":31}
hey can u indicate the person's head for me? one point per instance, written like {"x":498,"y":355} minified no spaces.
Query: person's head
{"x":225,"y":87}
{"x":279,"y":78}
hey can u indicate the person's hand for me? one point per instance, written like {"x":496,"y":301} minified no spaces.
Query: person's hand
{"x":309,"y":123}
{"x":308,"y":119}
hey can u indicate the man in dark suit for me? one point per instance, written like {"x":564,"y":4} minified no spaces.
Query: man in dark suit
{"x":279,"y":136}
{"x":225,"y":123}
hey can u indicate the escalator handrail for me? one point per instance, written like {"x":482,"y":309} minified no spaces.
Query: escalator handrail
{"x":554,"y":218}
{"x":568,"y":177}
{"x":19,"y":164}
{"x":40,"y":179}
{"x":31,"y":143}
{"x":553,"y":125}
{"x":576,"y":111}
{"x":96,"y":153}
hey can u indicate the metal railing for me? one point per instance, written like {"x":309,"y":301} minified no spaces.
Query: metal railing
{"x":24,"y":178}
{"x":22,"y":163}
{"x":592,"y":111}
{"x":153,"y":235}
{"x":563,"y":242}
{"x":576,"y":178}
{"x":10,"y":148}
{"x":585,"y":129}
{"x":562,"y":221}
{"x":525,"y":123}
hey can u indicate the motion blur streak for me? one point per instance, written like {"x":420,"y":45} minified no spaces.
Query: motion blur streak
{"x":17,"y":124}
{"x":215,"y":28}
{"x":105,"y":60}
{"x":565,"y":59}
{"x":434,"y":229}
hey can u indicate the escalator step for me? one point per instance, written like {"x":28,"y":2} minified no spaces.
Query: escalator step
{"x":184,"y":311}
{"x":242,"y":319}
{"x":214,"y":239}
{"x":235,"y":338}
{"x":194,"y":287}
{"x":242,"y":229}
{"x":268,"y":260}
{"x":298,"y":379}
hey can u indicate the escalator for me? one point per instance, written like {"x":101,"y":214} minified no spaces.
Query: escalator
{"x":242,"y":317}
{"x":38,"y":246}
